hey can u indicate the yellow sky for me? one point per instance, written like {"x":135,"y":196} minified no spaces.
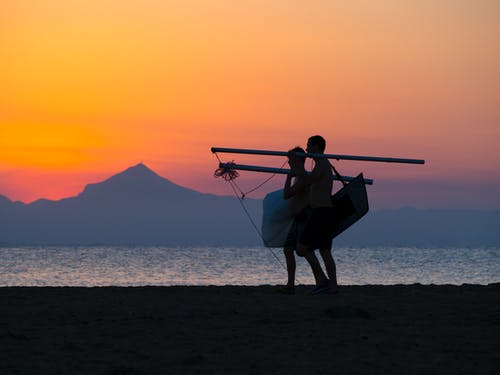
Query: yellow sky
{"x":90,"y":87}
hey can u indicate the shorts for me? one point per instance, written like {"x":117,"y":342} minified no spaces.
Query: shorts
{"x":298,"y":225}
{"x":317,"y":233}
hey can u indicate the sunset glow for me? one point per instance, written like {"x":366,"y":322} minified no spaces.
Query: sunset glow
{"x":89,"y":88}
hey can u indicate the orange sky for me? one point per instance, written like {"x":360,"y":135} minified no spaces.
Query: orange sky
{"x":90,"y":87}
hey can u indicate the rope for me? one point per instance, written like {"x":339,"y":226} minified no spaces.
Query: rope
{"x":264,"y":182}
{"x":339,"y":177}
{"x":230,"y":175}
{"x":255,"y":225}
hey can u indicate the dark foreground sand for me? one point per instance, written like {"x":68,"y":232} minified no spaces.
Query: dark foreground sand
{"x":250,"y":330}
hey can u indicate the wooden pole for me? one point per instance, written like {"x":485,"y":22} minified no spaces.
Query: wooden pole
{"x":256,"y":168}
{"x":329,"y":156}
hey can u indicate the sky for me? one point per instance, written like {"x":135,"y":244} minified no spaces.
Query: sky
{"x":91,"y":87}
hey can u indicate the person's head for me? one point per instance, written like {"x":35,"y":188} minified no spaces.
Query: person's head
{"x":316,"y":144}
{"x":294,"y":159}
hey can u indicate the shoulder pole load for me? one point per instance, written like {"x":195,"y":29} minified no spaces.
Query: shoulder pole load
{"x":256,"y":168}
{"x":328,"y":156}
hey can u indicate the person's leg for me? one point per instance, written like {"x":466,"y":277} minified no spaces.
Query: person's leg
{"x":331,"y":269}
{"x":305,"y":248}
{"x":319,"y":275}
{"x":290,"y":267}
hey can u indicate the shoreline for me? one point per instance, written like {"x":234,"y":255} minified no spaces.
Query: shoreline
{"x":301,"y":288}
{"x":250,"y":330}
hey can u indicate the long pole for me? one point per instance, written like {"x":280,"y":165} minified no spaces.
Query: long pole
{"x":329,"y":156}
{"x":256,"y":168}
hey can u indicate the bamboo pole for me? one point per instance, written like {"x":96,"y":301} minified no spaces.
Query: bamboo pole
{"x":329,"y":156}
{"x":256,"y":168}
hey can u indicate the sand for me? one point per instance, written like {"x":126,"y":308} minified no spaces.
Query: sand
{"x":397,"y":329}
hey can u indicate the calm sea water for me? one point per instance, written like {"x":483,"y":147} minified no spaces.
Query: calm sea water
{"x":137,"y":266}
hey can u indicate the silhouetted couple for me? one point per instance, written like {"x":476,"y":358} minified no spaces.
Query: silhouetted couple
{"x":310,"y":199}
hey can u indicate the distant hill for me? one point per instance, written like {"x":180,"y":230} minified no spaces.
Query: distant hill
{"x":135,"y":207}
{"x":139,"y":207}
{"x":412,"y":227}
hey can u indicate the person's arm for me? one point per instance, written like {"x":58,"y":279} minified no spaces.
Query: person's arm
{"x":291,"y":190}
{"x":288,"y":186}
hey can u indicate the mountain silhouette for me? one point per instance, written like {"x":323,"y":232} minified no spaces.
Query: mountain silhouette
{"x":136,"y":206}
{"x":139,"y":207}
{"x":134,"y":181}
{"x":4,"y":202}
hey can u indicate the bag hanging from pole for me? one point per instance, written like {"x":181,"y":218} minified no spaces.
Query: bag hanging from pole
{"x":277,"y":219}
{"x":349,"y":204}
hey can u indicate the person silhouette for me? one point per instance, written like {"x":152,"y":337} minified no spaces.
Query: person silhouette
{"x":317,"y":228}
{"x":296,"y":193}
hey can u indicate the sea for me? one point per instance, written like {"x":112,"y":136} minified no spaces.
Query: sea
{"x":168,"y":266}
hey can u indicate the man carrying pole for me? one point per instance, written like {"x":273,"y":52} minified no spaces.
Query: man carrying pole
{"x":317,"y":231}
{"x":320,"y":227}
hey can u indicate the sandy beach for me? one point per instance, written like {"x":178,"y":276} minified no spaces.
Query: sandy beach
{"x":396,"y":329}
